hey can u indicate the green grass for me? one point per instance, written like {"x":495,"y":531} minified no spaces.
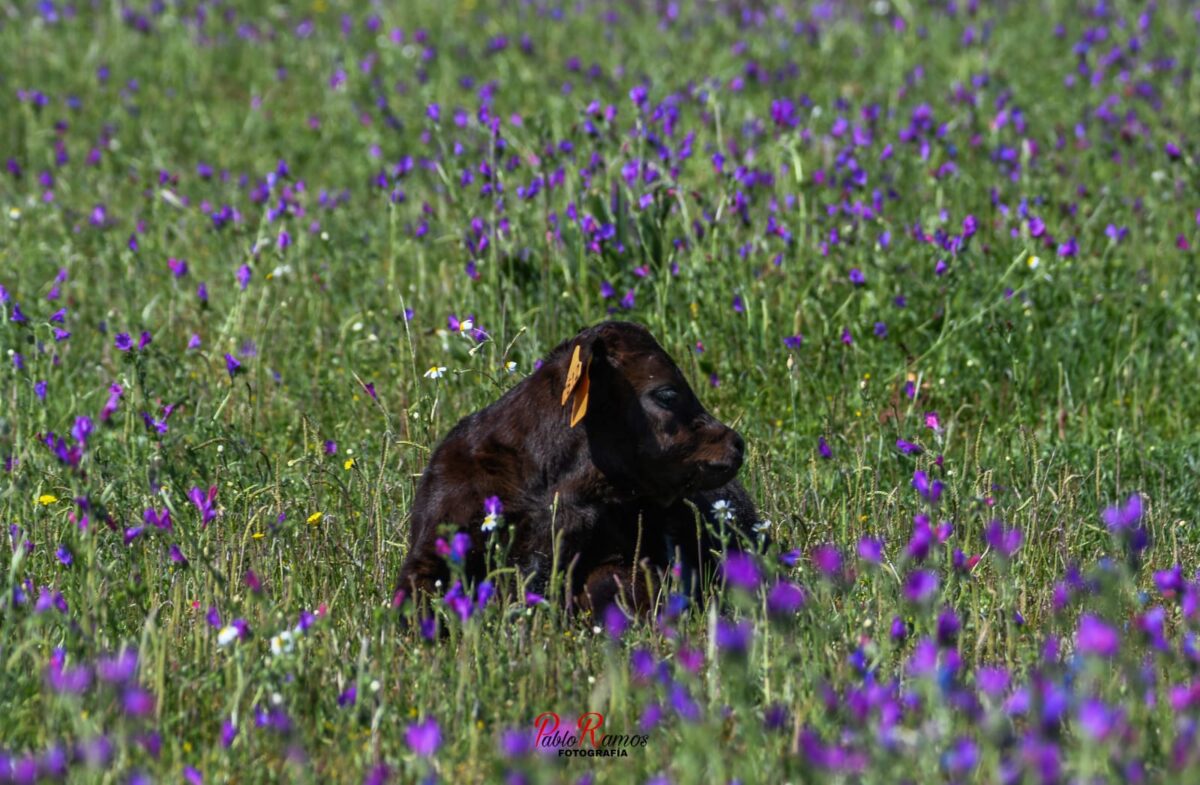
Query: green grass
{"x":1061,"y":390}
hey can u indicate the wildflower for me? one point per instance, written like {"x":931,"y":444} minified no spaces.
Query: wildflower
{"x":908,"y":448}
{"x":315,"y":518}
{"x":615,"y":622}
{"x":930,"y":491}
{"x":123,"y":342}
{"x":459,"y":545}
{"x":823,"y":448}
{"x":920,"y":586}
{"x":493,"y":510}
{"x":424,"y":738}
{"x":1002,"y":539}
{"x":734,"y":638}
{"x":283,"y":643}
{"x":682,"y":702}
{"x":739,"y":569}
{"x":785,"y":598}
{"x":856,"y":277}
{"x":870,"y":550}
{"x":1124,"y":516}
{"x":204,"y":503}
{"x":1097,"y":719}
{"x":232,"y":366}
{"x":435,"y":372}
{"x":47,"y":499}
{"x":827,"y":560}
{"x":227,"y":635}
{"x":722,"y":510}
{"x":1094,"y":636}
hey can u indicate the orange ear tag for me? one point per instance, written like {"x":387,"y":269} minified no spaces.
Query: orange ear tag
{"x":573,"y":372}
{"x":579,"y":405}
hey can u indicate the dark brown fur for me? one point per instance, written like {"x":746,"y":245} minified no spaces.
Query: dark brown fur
{"x":622,"y":477}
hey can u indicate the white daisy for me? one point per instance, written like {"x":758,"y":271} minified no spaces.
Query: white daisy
{"x":227,"y":635}
{"x":435,"y":372}
{"x":283,"y":643}
{"x":722,"y":510}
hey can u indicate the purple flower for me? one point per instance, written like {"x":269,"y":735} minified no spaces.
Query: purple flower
{"x":881,"y":330}
{"x":123,"y":342}
{"x":827,"y":560}
{"x":243,"y":276}
{"x":424,"y":738}
{"x":1094,"y":636}
{"x":1169,"y":581}
{"x":930,"y":491}
{"x":947,"y":627}
{"x":204,"y":503}
{"x":794,"y":341}
{"x":823,"y":448}
{"x":615,"y":622}
{"x":229,"y":732}
{"x":119,"y":668}
{"x":460,"y":544}
{"x":870,"y":550}
{"x":856,"y":277}
{"x":64,"y":555}
{"x":493,"y":506}
{"x":1002,"y":539}
{"x":784,"y":598}
{"x":992,"y":681}
{"x":456,"y":598}
{"x":734,"y":638}
{"x":232,"y":365}
{"x":176,"y":555}
{"x":908,"y":448}
{"x":1097,"y":719}
{"x":961,"y":757}
{"x":920,"y":586}
{"x":349,"y":695}
{"x":1124,"y":516}
{"x":740,"y":570}
{"x":682,"y":702}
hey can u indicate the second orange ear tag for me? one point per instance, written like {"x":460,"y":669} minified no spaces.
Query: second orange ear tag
{"x":579,"y":405}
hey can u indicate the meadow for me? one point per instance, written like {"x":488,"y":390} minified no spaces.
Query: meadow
{"x":937,"y":262}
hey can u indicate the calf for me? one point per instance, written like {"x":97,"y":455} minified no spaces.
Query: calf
{"x":598,"y":450}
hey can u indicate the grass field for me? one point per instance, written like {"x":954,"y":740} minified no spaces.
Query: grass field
{"x":936,"y":262}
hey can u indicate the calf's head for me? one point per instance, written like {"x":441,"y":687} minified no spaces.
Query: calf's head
{"x":645,"y":426}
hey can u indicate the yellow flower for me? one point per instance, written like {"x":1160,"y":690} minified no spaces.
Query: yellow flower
{"x":47,"y":498}
{"x":349,"y":464}
{"x":315,"y":517}
{"x":257,"y":535}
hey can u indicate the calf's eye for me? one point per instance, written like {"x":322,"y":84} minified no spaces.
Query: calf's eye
{"x":666,"y":396}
